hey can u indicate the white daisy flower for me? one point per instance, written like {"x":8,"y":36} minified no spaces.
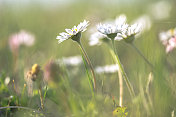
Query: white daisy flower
{"x":146,"y":22}
{"x":74,"y":33}
{"x":121,"y":24}
{"x":131,"y":32}
{"x":107,"y":29}
{"x":113,"y":30}
{"x":107,"y":69}
{"x":70,"y":61}
{"x":95,"y":38}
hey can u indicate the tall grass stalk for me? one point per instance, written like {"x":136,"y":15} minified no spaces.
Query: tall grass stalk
{"x":130,"y":88}
{"x":89,"y":63}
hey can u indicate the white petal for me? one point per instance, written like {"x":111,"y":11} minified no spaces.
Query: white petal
{"x":69,"y":31}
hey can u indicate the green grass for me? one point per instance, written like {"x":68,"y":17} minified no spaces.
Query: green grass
{"x":70,"y":95}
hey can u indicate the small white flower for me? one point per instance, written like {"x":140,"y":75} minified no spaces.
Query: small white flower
{"x":7,"y":80}
{"x":134,"y":29}
{"x":121,"y":24}
{"x":11,"y":96}
{"x":95,"y":38}
{"x":107,"y":69}
{"x":73,"y":33}
{"x":70,"y":61}
{"x":107,"y":29}
{"x":131,"y":32}
{"x":113,"y":30}
{"x":145,"y":21}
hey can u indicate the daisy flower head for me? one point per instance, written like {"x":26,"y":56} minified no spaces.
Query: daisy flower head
{"x":146,"y":22}
{"x":113,"y":30}
{"x":131,"y":32}
{"x":108,"y":29}
{"x":121,"y":26}
{"x":74,"y":33}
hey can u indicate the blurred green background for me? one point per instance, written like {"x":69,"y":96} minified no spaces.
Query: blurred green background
{"x":46,"y":19}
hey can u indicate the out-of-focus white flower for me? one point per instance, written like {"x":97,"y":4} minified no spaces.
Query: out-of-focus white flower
{"x":26,"y":38}
{"x":112,"y":30}
{"x":134,"y":29}
{"x":107,"y":29}
{"x":74,"y":33}
{"x":120,"y":29}
{"x":70,"y":61}
{"x":121,"y":24}
{"x":131,"y":32}
{"x":21,"y":38}
{"x":95,"y":38}
{"x":145,"y":22}
{"x":107,"y":69}
{"x":168,"y":39}
{"x":11,"y":96}
{"x":7,"y":80}
{"x":160,"y":10}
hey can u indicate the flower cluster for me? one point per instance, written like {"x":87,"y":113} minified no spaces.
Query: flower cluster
{"x":117,"y":30}
{"x":168,"y":39}
{"x":74,"y":33}
{"x":21,"y":38}
{"x":114,"y":30}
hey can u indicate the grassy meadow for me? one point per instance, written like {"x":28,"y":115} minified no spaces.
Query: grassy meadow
{"x":64,"y":90}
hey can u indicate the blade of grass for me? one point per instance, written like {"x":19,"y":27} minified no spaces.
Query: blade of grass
{"x":88,"y":75}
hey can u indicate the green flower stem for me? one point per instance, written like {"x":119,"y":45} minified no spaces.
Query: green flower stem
{"x":140,"y":53}
{"x":120,"y":89}
{"x":89,"y":63}
{"x":120,"y":78}
{"x":130,"y":88}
